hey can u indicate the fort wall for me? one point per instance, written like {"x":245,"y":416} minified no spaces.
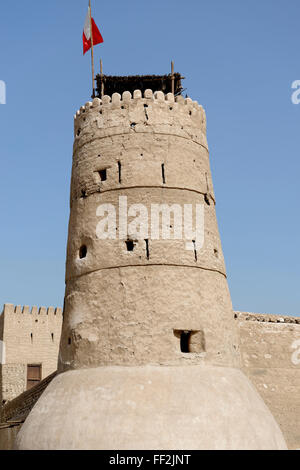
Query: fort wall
{"x":29,"y":337}
{"x":270,"y":352}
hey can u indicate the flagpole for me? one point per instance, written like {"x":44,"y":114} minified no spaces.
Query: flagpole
{"x":92,"y":51}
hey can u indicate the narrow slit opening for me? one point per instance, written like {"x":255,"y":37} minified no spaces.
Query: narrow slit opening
{"x":206,"y":199}
{"x":83,"y":252}
{"x":195,"y":250}
{"x":147,"y":249}
{"x":185,"y":341}
{"x":163,"y":173}
{"x":120,"y":171}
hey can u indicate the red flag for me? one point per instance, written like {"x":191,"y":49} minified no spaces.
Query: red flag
{"x":86,"y":37}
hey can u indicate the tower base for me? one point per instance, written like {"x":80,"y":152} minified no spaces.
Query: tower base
{"x":126,"y":408}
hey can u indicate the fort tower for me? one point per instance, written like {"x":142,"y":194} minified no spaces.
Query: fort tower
{"x":149,"y":355}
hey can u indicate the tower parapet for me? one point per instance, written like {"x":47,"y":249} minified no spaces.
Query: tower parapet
{"x":9,"y":309}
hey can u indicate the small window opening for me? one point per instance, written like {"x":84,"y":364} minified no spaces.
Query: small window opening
{"x":52,"y":336}
{"x":216,"y":253}
{"x":147,"y":249}
{"x":34,"y":375}
{"x":100,"y":112}
{"x":103,"y":175}
{"x":185,"y":341}
{"x":31,"y":337}
{"x":145,"y":106}
{"x":130,"y":245}
{"x":83,"y":252}
{"x":132,"y":125}
{"x":69,"y":341}
{"x":78,"y":132}
{"x":191,"y":341}
{"x":83,"y":194}
{"x":206,"y":199}
{"x":195,"y":251}
{"x":120,"y":171}
{"x":163,"y":173}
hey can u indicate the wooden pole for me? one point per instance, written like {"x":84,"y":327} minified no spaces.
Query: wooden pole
{"x":173,"y":78}
{"x":102,"y":83}
{"x":92,"y":51}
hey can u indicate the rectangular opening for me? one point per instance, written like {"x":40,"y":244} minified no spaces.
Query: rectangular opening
{"x":103,"y":175}
{"x":34,"y":375}
{"x":120,"y":172}
{"x":147,"y":249}
{"x":129,"y":245}
{"x":163,"y":173}
{"x":191,"y":341}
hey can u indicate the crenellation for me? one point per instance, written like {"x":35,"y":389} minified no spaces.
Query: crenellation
{"x":137,"y":94}
{"x":116,"y":100}
{"x":159,"y":96}
{"x":9,"y":309}
{"x":126,"y":97}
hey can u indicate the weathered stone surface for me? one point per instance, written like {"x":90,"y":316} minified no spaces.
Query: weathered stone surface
{"x":270,"y":351}
{"x":28,"y":336}
{"x":151,"y":408}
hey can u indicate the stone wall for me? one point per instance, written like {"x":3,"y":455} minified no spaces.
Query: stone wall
{"x":270,"y":351}
{"x":14,"y":413}
{"x":27,"y":337}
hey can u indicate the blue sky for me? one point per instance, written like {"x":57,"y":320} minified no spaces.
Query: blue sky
{"x":239,"y":59}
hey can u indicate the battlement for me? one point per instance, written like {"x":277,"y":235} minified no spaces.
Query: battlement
{"x":127,"y":98}
{"x":10,"y":309}
{"x":138,"y":112}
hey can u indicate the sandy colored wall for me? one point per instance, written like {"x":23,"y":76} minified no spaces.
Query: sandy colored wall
{"x":270,"y":349}
{"x":29,"y":337}
{"x":127,"y":306}
{"x":7,"y":436}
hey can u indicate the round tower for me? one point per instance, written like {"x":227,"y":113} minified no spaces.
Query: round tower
{"x":132,"y":298}
{"x":149,"y":354}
